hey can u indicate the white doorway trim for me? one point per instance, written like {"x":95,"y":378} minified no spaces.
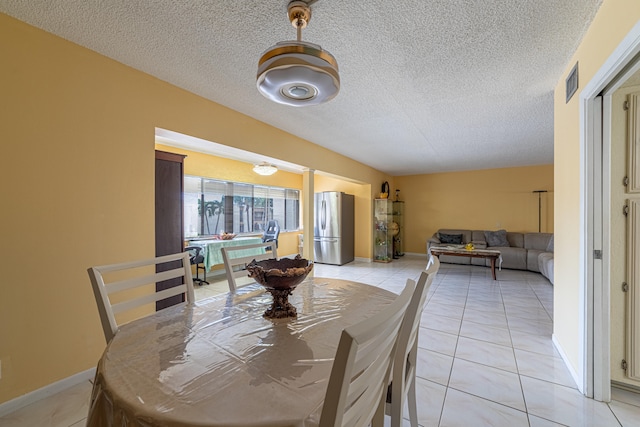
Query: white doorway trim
{"x":595,"y":129}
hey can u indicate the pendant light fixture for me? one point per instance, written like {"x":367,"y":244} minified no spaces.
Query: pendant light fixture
{"x":265,"y":169}
{"x":298,"y":73}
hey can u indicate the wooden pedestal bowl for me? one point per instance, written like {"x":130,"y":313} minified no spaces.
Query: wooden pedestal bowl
{"x":280,"y":277}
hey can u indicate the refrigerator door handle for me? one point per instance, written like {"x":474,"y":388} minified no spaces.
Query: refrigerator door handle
{"x":323,"y":215}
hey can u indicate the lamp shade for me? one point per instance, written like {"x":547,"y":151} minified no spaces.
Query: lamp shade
{"x":298,"y":73}
{"x":265,"y":169}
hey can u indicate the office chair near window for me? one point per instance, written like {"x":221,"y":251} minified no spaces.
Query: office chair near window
{"x":197,"y":257}
{"x":272,"y":232}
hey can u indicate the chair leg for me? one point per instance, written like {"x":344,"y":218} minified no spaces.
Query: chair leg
{"x":197,"y":279}
{"x":378,"y":416}
{"x":397,"y":407}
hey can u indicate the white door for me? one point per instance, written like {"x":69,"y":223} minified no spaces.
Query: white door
{"x":631,"y":362}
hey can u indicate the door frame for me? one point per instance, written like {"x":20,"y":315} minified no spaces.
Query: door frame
{"x":595,"y":132}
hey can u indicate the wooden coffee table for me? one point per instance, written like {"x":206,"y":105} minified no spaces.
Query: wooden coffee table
{"x":490,"y":254}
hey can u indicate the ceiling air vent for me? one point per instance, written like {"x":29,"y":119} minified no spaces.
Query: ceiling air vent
{"x":572,"y":82}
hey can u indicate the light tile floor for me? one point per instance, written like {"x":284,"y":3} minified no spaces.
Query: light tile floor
{"x":485,"y":359}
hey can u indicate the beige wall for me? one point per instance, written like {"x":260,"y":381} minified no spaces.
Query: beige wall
{"x":77,"y":179}
{"x":613,"y":21}
{"x":481,"y":200}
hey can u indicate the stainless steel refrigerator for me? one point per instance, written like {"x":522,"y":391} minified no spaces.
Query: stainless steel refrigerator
{"x":333,"y":235}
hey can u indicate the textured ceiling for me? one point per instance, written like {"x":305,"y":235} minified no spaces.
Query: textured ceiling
{"x":426,"y":86}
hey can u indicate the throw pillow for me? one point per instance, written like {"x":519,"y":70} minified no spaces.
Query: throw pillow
{"x":455,"y":239}
{"x":496,"y":238}
{"x":550,"y":245}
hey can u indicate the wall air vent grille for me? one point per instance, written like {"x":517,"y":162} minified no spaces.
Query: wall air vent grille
{"x":572,"y":82}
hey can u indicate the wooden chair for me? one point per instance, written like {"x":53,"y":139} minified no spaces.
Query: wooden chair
{"x":361,"y":370}
{"x":403,"y":385}
{"x":235,"y":265}
{"x":136,"y":275}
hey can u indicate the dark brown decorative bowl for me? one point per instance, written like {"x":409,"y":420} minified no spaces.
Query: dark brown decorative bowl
{"x":280,"y":277}
{"x":284,"y":273}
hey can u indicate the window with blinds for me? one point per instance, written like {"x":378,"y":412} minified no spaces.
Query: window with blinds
{"x":212,"y":207}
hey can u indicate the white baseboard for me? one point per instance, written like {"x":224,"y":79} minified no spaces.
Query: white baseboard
{"x":577,"y":378}
{"x":362,"y":259}
{"x":46,"y":391}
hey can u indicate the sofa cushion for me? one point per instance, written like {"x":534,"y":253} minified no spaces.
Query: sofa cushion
{"x":496,"y":238}
{"x":532,"y":260}
{"x":538,"y":241}
{"x":477,"y":236}
{"x":512,"y":258}
{"x":466,"y":234}
{"x":545,"y":261}
{"x":455,"y":239}
{"x":550,"y":244}
{"x":516,"y":240}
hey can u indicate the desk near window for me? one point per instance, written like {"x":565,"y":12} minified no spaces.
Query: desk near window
{"x":212,"y":254}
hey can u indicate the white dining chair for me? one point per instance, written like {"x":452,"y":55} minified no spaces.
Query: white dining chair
{"x":107,"y":280}
{"x":403,"y":384}
{"x":357,"y":388}
{"x":235,"y":265}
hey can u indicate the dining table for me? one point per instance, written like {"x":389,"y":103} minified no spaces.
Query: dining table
{"x":220,"y":362}
{"x":213,"y":255}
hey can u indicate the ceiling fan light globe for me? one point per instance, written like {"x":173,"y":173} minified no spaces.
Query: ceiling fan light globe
{"x":298,"y":74}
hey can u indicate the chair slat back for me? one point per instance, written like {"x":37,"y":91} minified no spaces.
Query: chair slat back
{"x":135,"y":276}
{"x":404,"y":365}
{"x":358,"y":382}
{"x":235,"y":265}
{"x":411,"y":323}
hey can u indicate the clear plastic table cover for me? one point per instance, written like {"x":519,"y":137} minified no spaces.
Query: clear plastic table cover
{"x":219,"y":362}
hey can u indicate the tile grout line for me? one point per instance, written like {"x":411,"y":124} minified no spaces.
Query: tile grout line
{"x":513,"y":350}
{"x":453,"y":361}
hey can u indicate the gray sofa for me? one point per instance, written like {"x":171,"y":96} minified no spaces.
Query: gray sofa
{"x":520,"y":251}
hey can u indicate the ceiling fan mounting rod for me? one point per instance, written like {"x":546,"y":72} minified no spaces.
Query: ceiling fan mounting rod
{"x":299,"y":15}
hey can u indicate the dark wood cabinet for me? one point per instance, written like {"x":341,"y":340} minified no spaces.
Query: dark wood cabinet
{"x":169,"y":214}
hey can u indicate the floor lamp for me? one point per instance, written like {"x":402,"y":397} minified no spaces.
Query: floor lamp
{"x":539,"y":206}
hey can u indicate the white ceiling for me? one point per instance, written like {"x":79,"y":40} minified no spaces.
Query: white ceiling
{"x":426,"y":86}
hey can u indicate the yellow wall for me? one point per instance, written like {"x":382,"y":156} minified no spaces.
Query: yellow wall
{"x":363,"y":209}
{"x":480,"y":200}
{"x":613,"y":21}
{"x":77,"y":180}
